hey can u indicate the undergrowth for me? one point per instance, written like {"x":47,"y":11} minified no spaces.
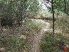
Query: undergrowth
{"x":51,"y":44}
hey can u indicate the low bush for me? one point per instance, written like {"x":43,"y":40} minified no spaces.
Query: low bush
{"x":13,"y":43}
{"x":46,"y":44}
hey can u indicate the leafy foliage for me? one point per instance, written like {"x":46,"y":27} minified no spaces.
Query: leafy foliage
{"x":12,"y":43}
{"x":63,"y":4}
{"x":17,"y":9}
{"x":46,"y":44}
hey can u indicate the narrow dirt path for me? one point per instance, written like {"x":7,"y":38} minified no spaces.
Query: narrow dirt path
{"x":35,"y":47}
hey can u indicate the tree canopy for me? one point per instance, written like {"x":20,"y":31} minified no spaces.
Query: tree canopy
{"x":17,"y":9}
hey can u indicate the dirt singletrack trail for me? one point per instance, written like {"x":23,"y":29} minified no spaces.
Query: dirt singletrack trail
{"x":35,"y":47}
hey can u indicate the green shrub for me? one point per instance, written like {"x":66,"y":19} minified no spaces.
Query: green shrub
{"x":46,"y":44}
{"x":13,"y":43}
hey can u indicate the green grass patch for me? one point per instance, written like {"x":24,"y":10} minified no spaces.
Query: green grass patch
{"x":33,"y":26}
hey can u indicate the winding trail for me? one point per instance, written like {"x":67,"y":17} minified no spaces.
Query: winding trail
{"x":35,"y":47}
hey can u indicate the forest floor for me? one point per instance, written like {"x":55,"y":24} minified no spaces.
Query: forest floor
{"x":35,"y":46}
{"x":33,"y":42}
{"x":37,"y":37}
